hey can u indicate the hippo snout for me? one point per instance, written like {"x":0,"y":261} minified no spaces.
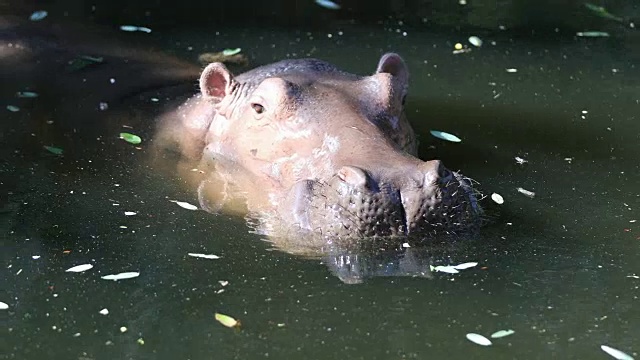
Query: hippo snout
{"x":417,"y":199}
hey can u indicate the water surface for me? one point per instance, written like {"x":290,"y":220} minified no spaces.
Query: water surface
{"x":559,"y":268}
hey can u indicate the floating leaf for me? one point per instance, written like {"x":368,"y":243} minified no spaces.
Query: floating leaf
{"x":478,"y":339}
{"x":27,"y":94}
{"x":520,"y":160}
{"x":92,"y":58}
{"x":615,"y":353}
{"x":445,"y":136}
{"x":497,"y":198}
{"x":445,"y":269}
{"x":526,"y":192}
{"x":13,"y":108}
{"x":38,"y":15}
{"x":53,"y":150}
{"x":204,"y":256}
{"x":475,"y":41}
{"x":227,"y":321}
{"x":3,"y":306}
{"x":80,"y":268}
{"x":602,"y":12}
{"x":82,"y":62}
{"x":131,"y":28}
{"x":121,"y":276}
{"x":592,"y":34}
{"x":465,"y":265}
{"x":130,"y":138}
{"x":186,"y":205}
{"x":502,"y":333}
{"x":327,"y":4}
{"x":230,"y":52}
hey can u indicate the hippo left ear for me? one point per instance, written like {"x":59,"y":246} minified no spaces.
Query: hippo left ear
{"x":216,"y":82}
{"x":393,"y":64}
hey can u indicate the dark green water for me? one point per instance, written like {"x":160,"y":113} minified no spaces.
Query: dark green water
{"x":560,"y":269}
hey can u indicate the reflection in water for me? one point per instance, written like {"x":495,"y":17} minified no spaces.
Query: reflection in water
{"x":355,"y":267}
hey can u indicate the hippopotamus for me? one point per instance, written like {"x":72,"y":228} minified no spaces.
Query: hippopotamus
{"x":317,"y":155}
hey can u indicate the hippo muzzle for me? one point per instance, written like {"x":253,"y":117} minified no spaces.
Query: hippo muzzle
{"x":360,"y":203}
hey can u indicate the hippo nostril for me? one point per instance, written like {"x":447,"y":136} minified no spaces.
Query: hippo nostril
{"x":353,"y":176}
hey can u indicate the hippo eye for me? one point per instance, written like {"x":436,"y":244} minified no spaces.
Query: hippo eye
{"x":259,"y":109}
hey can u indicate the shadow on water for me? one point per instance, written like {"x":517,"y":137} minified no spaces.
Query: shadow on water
{"x":557,"y":268}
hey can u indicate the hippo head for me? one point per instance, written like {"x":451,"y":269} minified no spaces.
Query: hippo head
{"x":329,"y":153}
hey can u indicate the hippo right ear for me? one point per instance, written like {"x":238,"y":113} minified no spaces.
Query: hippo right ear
{"x":393,"y":64}
{"x":216,"y":82}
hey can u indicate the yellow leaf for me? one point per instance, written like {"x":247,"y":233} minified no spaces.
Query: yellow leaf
{"x":227,"y":321}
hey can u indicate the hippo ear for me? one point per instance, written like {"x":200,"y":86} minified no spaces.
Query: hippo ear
{"x":216,"y":82}
{"x":393,"y":64}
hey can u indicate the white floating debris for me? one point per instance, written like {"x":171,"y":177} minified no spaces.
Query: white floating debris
{"x":520,"y":160}
{"x":131,"y":28}
{"x":204,"y":256}
{"x":121,"y":276}
{"x":327,"y":4}
{"x":592,"y":34}
{"x":26,"y":94}
{"x":35,"y":257}
{"x":526,"y":192}
{"x":231,"y":52}
{"x":13,"y":108}
{"x":512,"y":70}
{"x":568,"y":159}
{"x":502,"y":333}
{"x":478,"y":339}
{"x":223,"y":282}
{"x":445,"y":136}
{"x":80,"y":268}
{"x":130,"y":213}
{"x":445,"y":269}
{"x":406,"y":245}
{"x":465,"y":265}
{"x":475,"y":41}
{"x":104,"y":311}
{"x":615,"y":353}
{"x":3,"y":306}
{"x":123,"y":329}
{"x":497,"y":198}
{"x":38,"y":15}
{"x":186,"y":205}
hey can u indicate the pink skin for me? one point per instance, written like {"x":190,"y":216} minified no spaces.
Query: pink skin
{"x":266,"y":135}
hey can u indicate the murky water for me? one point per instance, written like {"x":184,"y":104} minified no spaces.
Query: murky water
{"x":560,"y":269}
